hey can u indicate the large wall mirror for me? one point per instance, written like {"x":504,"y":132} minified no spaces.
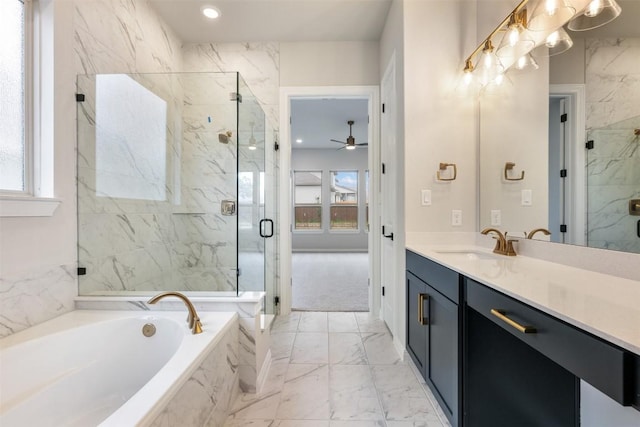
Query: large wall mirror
{"x":535,"y":168}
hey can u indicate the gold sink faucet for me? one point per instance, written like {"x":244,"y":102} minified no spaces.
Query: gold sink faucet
{"x":192,"y":319}
{"x":538,"y":230}
{"x":503,"y":246}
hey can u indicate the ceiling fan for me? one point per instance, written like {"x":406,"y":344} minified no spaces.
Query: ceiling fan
{"x":351,"y":141}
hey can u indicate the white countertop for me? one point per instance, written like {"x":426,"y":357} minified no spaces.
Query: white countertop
{"x":606,"y":306}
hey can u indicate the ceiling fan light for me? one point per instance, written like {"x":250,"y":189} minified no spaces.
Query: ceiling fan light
{"x":596,"y":14}
{"x":350,"y":147}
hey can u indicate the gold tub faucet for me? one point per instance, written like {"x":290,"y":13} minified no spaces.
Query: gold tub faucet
{"x":192,"y":319}
{"x":503,"y":246}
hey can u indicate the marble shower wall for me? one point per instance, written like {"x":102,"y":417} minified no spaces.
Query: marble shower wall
{"x":613,"y":166}
{"x":178,"y":241}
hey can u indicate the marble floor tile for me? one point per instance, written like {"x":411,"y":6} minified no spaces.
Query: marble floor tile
{"x":372,"y":423}
{"x":366,"y":323}
{"x":247,"y":423}
{"x":346,"y":348}
{"x":281,"y":345}
{"x":313,"y":322}
{"x":310,"y":347}
{"x":380,"y":349}
{"x":402,"y":397}
{"x":343,"y":322}
{"x":249,"y":406}
{"x":305,"y":394}
{"x":352,"y":394}
{"x":300,"y":423}
{"x":288,"y":323}
{"x":353,"y":378}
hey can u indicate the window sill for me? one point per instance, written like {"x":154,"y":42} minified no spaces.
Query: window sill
{"x":27,"y":206}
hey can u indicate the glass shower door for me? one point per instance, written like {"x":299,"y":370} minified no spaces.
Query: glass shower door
{"x":253,"y":227}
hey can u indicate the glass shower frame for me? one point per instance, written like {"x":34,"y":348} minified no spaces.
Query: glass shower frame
{"x":159,"y":161}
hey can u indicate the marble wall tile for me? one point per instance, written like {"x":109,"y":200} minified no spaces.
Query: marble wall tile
{"x":613,"y":88}
{"x":32,"y":297}
{"x":206,"y":397}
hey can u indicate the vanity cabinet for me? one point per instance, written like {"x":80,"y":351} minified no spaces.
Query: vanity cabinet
{"x":433,"y":329}
{"x":492,"y":360}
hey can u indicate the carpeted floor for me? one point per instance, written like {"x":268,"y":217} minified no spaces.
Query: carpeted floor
{"x":330,"y":281}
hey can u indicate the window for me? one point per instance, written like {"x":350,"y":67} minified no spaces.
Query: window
{"x":15,"y":104}
{"x":344,"y":200}
{"x":307,"y":200}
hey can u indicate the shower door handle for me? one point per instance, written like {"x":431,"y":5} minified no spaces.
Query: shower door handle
{"x":261,"y":228}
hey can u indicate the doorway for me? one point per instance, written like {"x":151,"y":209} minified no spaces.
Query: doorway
{"x":330,"y":205}
{"x":329,"y":165}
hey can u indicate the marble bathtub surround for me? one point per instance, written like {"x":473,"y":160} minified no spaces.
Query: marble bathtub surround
{"x":336,"y":377}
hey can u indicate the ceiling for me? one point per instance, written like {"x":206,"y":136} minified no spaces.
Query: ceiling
{"x":276,"y":20}
{"x":317,"y":121}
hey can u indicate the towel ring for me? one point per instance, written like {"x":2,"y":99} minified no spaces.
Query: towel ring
{"x":509,"y":166}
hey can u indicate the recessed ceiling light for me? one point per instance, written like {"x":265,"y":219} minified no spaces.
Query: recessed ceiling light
{"x":210,"y":12}
{"x":299,"y":141}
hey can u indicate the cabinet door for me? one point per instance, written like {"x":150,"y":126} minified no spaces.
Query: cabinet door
{"x":416,"y":328}
{"x":442,"y":359}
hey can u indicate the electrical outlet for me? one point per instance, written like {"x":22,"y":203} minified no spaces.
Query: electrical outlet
{"x":426,"y":197}
{"x":527,"y":198}
{"x":496,"y":217}
{"x":456,"y":218}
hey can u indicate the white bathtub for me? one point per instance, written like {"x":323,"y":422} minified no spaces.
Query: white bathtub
{"x":89,"y":368}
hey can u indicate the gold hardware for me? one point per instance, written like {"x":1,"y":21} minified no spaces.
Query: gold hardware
{"x":192,"y":319}
{"x":509,"y":166}
{"x":421,"y":299}
{"x":634,"y":207}
{"x":538,"y":230}
{"x":500,"y":314}
{"x":443,"y":167}
{"x":515,"y":13}
{"x":503,"y":246}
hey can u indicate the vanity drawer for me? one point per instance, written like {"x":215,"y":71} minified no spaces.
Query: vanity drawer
{"x":441,"y":278}
{"x":599,"y":363}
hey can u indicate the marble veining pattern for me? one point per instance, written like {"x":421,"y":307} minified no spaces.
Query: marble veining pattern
{"x":348,"y":390}
{"x":29,"y":298}
{"x":613,"y":113}
{"x":206,"y":398}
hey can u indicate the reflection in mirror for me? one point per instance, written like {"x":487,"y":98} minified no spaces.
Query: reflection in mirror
{"x":581,"y":195}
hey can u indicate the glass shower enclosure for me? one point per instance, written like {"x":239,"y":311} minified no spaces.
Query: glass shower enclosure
{"x":171,"y":185}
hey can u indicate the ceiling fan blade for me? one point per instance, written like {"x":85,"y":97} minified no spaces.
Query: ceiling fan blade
{"x":363,"y":143}
{"x":339,"y":142}
{"x":341,"y":148}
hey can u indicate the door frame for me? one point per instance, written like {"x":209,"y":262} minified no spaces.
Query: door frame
{"x":372,"y":93}
{"x":576,"y":197}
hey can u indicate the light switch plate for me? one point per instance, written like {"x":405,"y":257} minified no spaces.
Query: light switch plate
{"x":527,"y":198}
{"x":456,"y":218}
{"x":426,"y":197}
{"x":496,"y":217}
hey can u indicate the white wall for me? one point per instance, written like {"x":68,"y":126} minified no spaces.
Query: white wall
{"x":327,"y":161}
{"x":329,"y":63}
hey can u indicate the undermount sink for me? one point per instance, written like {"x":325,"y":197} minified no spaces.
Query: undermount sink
{"x":467,"y":254}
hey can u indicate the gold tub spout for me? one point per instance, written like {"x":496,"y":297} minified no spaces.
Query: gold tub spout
{"x":538,"y":230}
{"x":192,"y":319}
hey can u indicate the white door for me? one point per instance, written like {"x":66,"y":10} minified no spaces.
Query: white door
{"x":388,"y":193}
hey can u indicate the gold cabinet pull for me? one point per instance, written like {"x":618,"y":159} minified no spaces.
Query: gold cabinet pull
{"x":421,"y":299}
{"x":524,"y":329}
